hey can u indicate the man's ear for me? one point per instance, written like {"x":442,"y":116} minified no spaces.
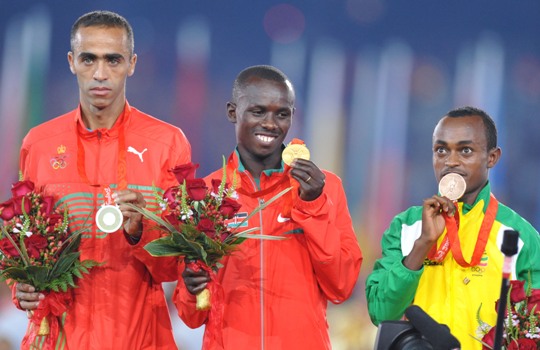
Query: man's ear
{"x":231,"y":112}
{"x":70,"y":61}
{"x":494,"y":156}
{"x":132,"y":64}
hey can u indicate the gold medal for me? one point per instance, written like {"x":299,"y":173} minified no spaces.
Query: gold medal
{"x":452,"y":186}
{"x":293,"y":151}
{"x":109,"y":218}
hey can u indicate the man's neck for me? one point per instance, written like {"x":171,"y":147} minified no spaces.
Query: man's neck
{"x":95,"y":118}
{"x":257,"y":166}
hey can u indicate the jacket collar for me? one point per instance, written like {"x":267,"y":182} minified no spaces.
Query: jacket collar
{"x":113,"y":132}
{"x":236,"y":163}
{"x":268,"y":177}
{"x":483,"y":195}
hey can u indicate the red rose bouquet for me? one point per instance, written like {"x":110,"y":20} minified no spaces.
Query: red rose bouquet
{"x":194,"y":219}
{"x":522,"y":320}
{"x":37,"y":248}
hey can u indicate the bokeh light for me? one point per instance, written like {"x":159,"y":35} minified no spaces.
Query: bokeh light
{"x":284,"y":23}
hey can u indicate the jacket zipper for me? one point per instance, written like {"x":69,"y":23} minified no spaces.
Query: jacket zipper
{"x":261,"y":201}
{"x":261,"y":260}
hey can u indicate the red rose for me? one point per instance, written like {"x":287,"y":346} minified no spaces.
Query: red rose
{"x":48,"y":205}
{"x":489,"y":339}
{"x":514,"y":345}
{"x":170,"y":196}
{"x":207,"y":226}
{"x":7,"y":211}
{"x":35,"y":244}
{"x":21,"y":188}
{"x":526,"y":344}
{"x":172,"y":219}
{"x":215,"y":185}
{"x":184,"y":171}
{"x":517,"y":293}
{"x":225,"y":235}
{"x":534,"y":301}
{"x":229,"y":207}
{"x":7,"y":247}
{"x":522,"y":344}
{"x":20,"y":203}
{"x":196,"y":189}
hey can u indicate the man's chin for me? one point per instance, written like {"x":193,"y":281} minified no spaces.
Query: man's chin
{"x":100,"y":104}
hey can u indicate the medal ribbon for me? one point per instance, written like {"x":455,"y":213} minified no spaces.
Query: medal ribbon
{"x":107,"y":197}
{"x":122,"y":166}
{"x":451,"y":239}
{"x":296,"y":141}
{"x":264,"y":192}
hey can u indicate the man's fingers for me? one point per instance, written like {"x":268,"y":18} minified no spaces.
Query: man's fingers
{"x":23,"y":287}
{"x":128,"y":196}
{"x":27,"y":305}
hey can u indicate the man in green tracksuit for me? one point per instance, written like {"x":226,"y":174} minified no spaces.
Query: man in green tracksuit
{"x":445,"y":256}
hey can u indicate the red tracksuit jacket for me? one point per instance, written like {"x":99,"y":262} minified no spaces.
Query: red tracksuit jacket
{"x":276,"y":292}
{"x":120,"y":305}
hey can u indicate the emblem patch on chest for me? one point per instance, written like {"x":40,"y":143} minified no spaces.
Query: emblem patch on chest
{"x":59,"y":161}
{"x":479,"y":269}
{"x":236,"y":221}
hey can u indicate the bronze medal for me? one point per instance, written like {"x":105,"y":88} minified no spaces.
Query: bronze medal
{"x":293,"y":151}
{"x":452,"y":186}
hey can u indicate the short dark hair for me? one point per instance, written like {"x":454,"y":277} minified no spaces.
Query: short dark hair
{"x":489,"y":124}
{"x":103,"y":19}
{"x":261,"y":71}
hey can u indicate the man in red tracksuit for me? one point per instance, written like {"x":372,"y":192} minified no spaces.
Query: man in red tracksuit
{"x":276,"y":291}
{"x":107,"y":145}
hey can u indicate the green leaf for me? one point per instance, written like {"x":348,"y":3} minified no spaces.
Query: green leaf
{"x":83,"y":269}
{"x":170,"y":228}
{"x":249,"y":230}
{"x":162,"y":247}
{"x":64,"y":264}
{"x":38,"y":276}
{"x":77,"y":272}
{"x":73,"y":241}
{"x":24,"y":257}
{"x":16,"y":273}
{"x":264,"y":237}
{"x":69,"y":279}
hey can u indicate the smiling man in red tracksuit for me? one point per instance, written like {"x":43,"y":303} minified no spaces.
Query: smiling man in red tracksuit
{"x":107,"y":144}
{"x":276,"y":292}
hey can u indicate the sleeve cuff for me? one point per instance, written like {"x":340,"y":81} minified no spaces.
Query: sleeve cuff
{"x":405,"y":269}
{"x":314,"y":207}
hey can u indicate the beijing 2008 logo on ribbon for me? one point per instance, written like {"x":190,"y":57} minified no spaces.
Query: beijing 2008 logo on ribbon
{"x":109,"y":217}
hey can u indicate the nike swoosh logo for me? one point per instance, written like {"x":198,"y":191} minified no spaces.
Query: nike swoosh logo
{"x":281,"y":219}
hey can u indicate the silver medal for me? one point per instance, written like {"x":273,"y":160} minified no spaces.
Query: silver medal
{"x":109,"y":218}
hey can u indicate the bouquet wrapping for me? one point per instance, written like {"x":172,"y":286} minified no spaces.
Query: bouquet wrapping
{"x":37,"y":248}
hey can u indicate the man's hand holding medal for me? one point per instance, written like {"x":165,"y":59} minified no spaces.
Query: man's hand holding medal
{"x":437,"y":211}
{"x":310,"y":178}
{"x":114,"y":212}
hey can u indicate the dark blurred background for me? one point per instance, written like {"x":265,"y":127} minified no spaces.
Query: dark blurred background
{"x":372,"y":78}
